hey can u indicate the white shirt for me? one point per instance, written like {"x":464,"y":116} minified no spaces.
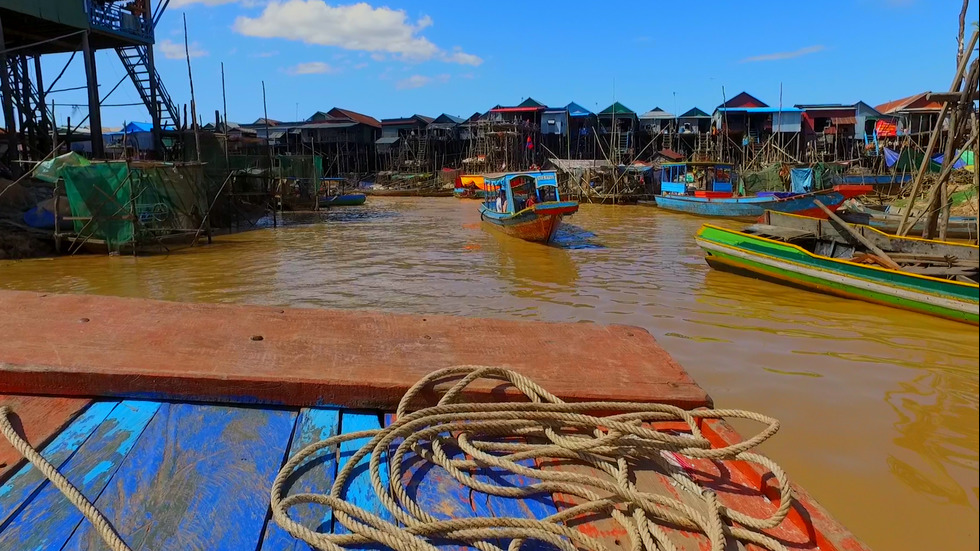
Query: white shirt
{"x":500,"y":204}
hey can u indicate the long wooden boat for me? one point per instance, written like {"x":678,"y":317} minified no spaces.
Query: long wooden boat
{"x":178,"y":445}
{"x":538,"y":222}
{"x":344,"y":200}
{"x":960,"y":227}
{"x":752,"y":207}
{"x":934,"y":277}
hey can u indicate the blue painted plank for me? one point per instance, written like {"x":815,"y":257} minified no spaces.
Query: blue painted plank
{"x":442,"y":496}
{"x":314,"y":476}
{"x":359,"y":490}
{"x":49,"y":520}
{"x":23,"y":485}
{"x":198,"y":478}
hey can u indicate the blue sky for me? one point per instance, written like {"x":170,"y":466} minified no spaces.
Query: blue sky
{"x":429,"y":57}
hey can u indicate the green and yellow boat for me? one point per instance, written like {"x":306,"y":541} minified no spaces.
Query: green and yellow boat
{"x":853,"y":261}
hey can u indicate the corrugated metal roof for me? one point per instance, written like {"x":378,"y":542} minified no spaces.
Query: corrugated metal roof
{"x":328,"y":125}
{"x":576,"y":110}
{"x":657,"y":114}
{"x":617,"y":109}
{"x":759,"y":110}
{"x":694,"y":113}
{"x":387,"y":141}
{"x":915,"y":101}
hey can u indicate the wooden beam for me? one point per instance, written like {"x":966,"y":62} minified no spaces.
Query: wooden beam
{"x":951,"y":97}
{"x":78,"y":345}
{"x":843,"y":226}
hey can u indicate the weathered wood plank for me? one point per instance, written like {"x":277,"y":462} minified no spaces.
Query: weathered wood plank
{"x":314,"y":476}
{"x":39,"y":418}
{"x":198,"y":479}
{"x":306,"y":357}
{"x":49,"y":520}
{"x":359,"y":490}
{"x":22,"y":485}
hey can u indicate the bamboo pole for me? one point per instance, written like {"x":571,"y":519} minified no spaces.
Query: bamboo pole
{"x":190,"y":80}
{"x":903,"y":229}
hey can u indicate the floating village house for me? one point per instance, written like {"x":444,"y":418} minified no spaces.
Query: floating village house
{"x":657,"y":128}
{"x":757,"y":133}
{"x":445,"y":141}
{"x":344,"y":138}
{"x":617,"y":127}
{"x":554,"y":131}
{"x":403,"y":145}
{"x":581,"y":131}
{"x":915,"y":116}
{"x":508,"y":136}
{"x":839,"y":132}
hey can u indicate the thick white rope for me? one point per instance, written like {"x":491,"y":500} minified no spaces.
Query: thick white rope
{"x":510,"y":436}
{"x":102,"y":525}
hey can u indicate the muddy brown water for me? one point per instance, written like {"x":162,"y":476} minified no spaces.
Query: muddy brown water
{"x":879,"y":407}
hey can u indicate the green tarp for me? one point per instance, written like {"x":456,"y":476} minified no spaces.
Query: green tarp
{"x":100,"y":192}
{"x":49,"y":171}
{"x":123,"y":204}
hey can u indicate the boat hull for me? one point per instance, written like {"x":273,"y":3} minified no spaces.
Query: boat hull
{"x":753,"y":207}
{"x":960,"y":227}
{"x":346,"y":200}
{"x":538,"y":224}
{"x":469,"y":193}
{"x":739,"y":252}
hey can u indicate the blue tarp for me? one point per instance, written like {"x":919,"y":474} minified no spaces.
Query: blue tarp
{"x":960,"y":163}
{"x":801,"y":180}
{"x":891,"y":157}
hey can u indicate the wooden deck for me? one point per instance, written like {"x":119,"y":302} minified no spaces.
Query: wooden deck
{"x":78,"y":345}
{"x":172,"y":475}
{"x":175,"y":418}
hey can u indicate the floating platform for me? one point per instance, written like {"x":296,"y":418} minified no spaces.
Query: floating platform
{"x":173,"y":419}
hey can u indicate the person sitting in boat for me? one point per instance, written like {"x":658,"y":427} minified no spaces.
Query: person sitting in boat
{"x":502,"y":201}
{"x":531,"y":200}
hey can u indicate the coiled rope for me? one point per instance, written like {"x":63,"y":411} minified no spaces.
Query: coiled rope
{"x":509,"y":436}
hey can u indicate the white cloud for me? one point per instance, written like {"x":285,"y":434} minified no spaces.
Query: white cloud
{"x":174,"y":50}
{"x":360,"y":27}
{"x":360,"y":66}
{"x":785,"y":55}
{"x":461,"y":57}
{"x":418,"y":81}
{"x":414,"y":81}
{"x":310,"y":68}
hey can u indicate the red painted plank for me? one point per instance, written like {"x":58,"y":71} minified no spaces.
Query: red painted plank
{"x":39,"y":418}
{"x":106,"y":346}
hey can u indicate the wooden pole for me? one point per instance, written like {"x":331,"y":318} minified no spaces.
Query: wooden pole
{"x":190,"y":80}
{"x":842,"y":225}
{"x":903,"y":229}
{"x":268,"y":146}
{"x":224,"y":113}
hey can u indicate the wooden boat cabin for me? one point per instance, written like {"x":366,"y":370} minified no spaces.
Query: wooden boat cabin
{"x":701,"y":179}
{"x":518,"y":187}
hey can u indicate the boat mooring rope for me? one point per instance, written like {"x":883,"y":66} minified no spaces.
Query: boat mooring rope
{"x":575,"y":449}
{"x":75,"y":497}
{"x":524,"y":438}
